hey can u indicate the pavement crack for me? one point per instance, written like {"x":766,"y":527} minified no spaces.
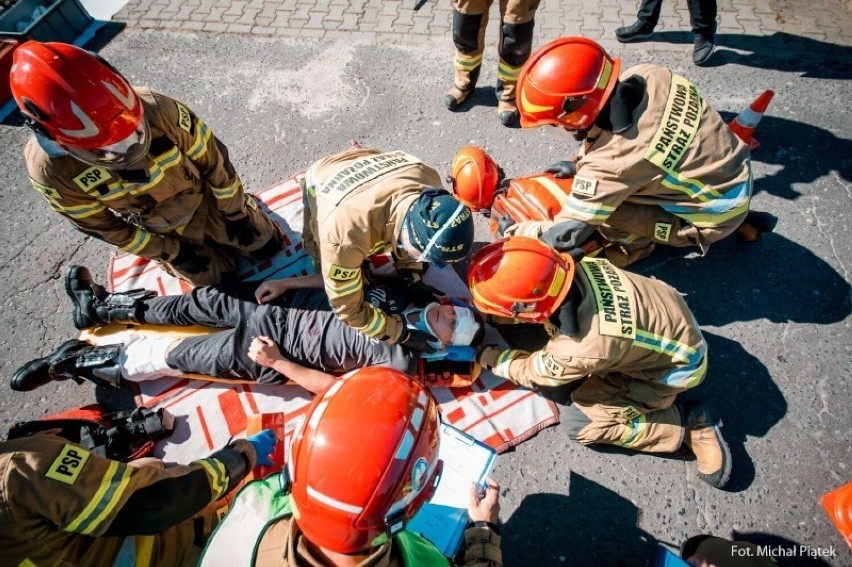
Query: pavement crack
{"x":827,"y":234}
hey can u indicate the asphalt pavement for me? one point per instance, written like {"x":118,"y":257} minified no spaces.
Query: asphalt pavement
{"x":776,"y":313}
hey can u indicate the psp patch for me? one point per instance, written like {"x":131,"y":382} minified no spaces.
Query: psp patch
{"x":92,"y":177}
{"x":630,"y":413}
{"x":341,"y":274}
{"x":67,"y":466}
{"x":662,"y":231}
{"x":584,"y":186}
{"x":184,"y":118}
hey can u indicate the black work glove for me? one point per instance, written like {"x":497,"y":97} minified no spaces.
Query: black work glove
{"x":416,"y":340}
{"x":421,"y":294}
{"x":189,"y":260}
{"x":241,"y":230}
{"x":563,"y":169}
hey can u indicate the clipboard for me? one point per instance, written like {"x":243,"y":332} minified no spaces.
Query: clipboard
{"x":444,"y":518}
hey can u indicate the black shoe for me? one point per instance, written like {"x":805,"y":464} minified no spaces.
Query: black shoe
{"x":703,"y":50}
{"x":510,"y":119}
{"x":38,"y":372}
{"x":637,"y":31}
{"x":94,"y":306}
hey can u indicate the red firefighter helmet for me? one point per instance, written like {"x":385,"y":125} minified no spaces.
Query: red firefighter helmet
{"x":566,"y":83}
{"x":364,"y":460}
{"x":475,"y":178}
{"x":80,"y":102}
{"x":520,"y":277}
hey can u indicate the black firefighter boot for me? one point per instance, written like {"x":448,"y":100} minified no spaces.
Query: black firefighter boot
{"x":75,"y":360}
{"x":94,"y":306}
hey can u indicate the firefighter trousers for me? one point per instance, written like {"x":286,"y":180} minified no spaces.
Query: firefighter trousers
{"x":208,"y":230}
{"x":616,"y":409}
{"x":470,"y":18}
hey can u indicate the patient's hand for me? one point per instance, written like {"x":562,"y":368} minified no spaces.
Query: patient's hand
{"x":264,"y":351}
{"x":269,"y":290}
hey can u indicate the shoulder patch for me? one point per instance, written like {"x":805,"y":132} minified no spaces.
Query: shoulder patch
{"x":92,"y":177}
{"x":585,"y":186}
{"x":67,"y":466}
{"x":341,"y":274}
{"x":48,"y":192}
{"x":662,"y":231}
{"x":184,"y":117}
{"x":550,"y":366}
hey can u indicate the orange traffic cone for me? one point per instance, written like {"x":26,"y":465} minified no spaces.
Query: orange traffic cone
{"x":746,"y":121}
{"x":838,"y":504}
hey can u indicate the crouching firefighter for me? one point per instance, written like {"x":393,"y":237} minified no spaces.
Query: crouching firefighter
{"x":62,"y":504}
{"x":318,"y":512}
{"x":630,"y":342}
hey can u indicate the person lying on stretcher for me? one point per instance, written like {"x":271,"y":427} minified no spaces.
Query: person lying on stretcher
{"x":292,"y":336}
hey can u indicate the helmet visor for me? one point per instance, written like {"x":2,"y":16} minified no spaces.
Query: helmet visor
{"x":125,"y":153}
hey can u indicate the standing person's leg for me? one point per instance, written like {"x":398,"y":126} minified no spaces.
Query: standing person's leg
{"x":470,"y":18}
{"x":646,"y":21}
{"x":702,"y":17}
{"x":515,"y":47}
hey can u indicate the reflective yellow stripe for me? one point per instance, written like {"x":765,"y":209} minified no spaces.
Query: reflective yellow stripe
{"x":226,"y":192}
{"x":588,"y":211}
{"x":156,"y":173}
{"x":27,"y":563}
{"x":140,"y":240}
{"x":703,"y":220}
{"x":504,"y":360}
{"x":507,"y":72}
{"x":106,"y":498}
{"x":82,"y":211}
{"x":633,"y":431}
{"x":144,"y":550}
{"x":468,"y":61}
{"x":202,"y":136}
{"x":377,"y":323}
{"x":339,"y":289}
{"x":218,"y":476}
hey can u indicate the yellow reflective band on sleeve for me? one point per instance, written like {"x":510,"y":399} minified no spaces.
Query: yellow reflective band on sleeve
{"x":82,"y":211}
{"x":27,"y":563}
{"x":144,"y":550}
{"x":140,"y":240}
{"x":504,"y":360}
{"x":633,"y":431}
{"x":109,"y":493}
{"x":379,"y":246}
{"x":202,"y":136}
{"x":506,"y":72}
{"x":377,"y":323}
{"x":591,"y":213}
{"x":218,"y":476}
{"x":691,"y":187}
{"x":468,"y":62}
{"x":226,"y":192}
{"x":336,"y":289}
{"x":48,"y":192}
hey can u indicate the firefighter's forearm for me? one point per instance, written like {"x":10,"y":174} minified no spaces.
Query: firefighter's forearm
{"x":163,"y":504}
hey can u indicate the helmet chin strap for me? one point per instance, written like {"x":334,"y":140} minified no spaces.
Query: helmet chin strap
{"x":416,"y":320}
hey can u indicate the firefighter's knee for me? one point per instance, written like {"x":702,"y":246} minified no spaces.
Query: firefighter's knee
{"x":466,"y":31}
{"x":573,"y":420}
{"x":517,"y":43}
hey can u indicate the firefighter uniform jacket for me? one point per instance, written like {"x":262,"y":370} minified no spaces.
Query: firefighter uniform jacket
{"x":63,"y":505}
{"x":678,"y":154}
{"x":628,"y":324}
{"x":356,"y":203}
{"x":186,"y":172}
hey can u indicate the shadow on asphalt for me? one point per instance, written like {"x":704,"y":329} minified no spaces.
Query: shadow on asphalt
{"x":774,"y":279}
{"x":762,"y":52}
{"x":591,"y":526}
{"x":803,"y":152}
{"x":740,"y":390}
